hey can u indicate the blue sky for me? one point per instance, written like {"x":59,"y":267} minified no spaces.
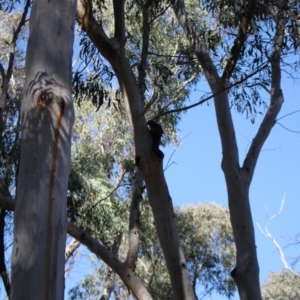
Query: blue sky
{"x":196,"y":175}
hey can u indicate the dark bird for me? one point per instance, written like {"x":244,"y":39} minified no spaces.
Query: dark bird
{"x":156,"y":133}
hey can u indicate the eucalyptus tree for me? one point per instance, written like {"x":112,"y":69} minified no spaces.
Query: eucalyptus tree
{"x":260,"y":34}
{"x":151,"y":52}
{"x":281,"y":285}
{"x":130,"y":71}
{"x":47,"y":117}
{"x":13,"y":31}
{"x":210,"y":256}
{"x":239,"y":46}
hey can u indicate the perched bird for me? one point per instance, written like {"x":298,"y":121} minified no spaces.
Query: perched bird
{"x":156,"y":133}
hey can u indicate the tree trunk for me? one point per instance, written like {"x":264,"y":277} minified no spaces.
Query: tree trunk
{"x":238,"y":179}
{"x":3,"y":269}
{"x":47,"y":118}
{"x":149,"y":164}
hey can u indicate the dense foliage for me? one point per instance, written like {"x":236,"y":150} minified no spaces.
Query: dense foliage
{"x":282,"y":285}
{"x":206,"y":236}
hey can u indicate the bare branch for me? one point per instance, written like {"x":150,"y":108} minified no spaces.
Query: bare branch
{"x":293,"y":131}
{"x":109,"y":284}
{"x":71,"y":255}
{"x":276,"y":100}
{"x":6,"y":77}
{"x":120,"y":177}
{"x":161,"y":13}
{"x":259,"y":84}
{"x":289,"y":114}
{"x":243,"y":79}
{"x":14,"y":39}
{"x":151,"y":101}
{"x":267,"y":233}
{"x":71,"y":248}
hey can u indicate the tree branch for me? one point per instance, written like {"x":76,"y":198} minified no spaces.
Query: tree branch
{"x":267,"y":233}
{"x":198,"y":46}
{"x":243,"y":79}
{"x":6,"y":77}
{"x":151,"y":101}
{"x":294,"y":112}
{"x":239,"y":40}
{"x":109,"y":284}
{"x":94,"y":30}
{"x":134,"y":222}
{"x":119,"y":21}
{"x":70,"y":255}
{"x":71,"y":248}
{"x":95,"y":247}
{"x":276,"y":100}
{"x":3,"y":269}
{"x":128,"y":277}
{"x":144,"y":55}
{"x":80,"y":235}
{"x":14,"y":39}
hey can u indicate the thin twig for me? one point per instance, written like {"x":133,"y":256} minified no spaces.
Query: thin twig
{"x":267,"y":233}
{"x":289,"y":114}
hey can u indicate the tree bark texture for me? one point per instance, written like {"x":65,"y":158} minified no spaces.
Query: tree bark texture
{"x":149,"y":164}
{"x":130,"y":279}
{"x":238,"y":179}
{"x":3,"y":269}
{"x":47,"y":118}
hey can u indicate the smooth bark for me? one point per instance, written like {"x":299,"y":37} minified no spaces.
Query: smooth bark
{"x":150,"y":166}
{"x":47,"y":118}
{"x":134,"y":222}
{"x":3,"y":269}
{"x":238,"y":179}
{"x":127,"y":275}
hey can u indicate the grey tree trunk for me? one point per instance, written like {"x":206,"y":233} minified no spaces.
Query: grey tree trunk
{"x":149,"y":164}
{"x":47,"y":118}
{"x":238,"y":178}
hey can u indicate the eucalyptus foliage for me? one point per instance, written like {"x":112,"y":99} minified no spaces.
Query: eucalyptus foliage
{"x":281,"y":286}
{"x":206,"y":236}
